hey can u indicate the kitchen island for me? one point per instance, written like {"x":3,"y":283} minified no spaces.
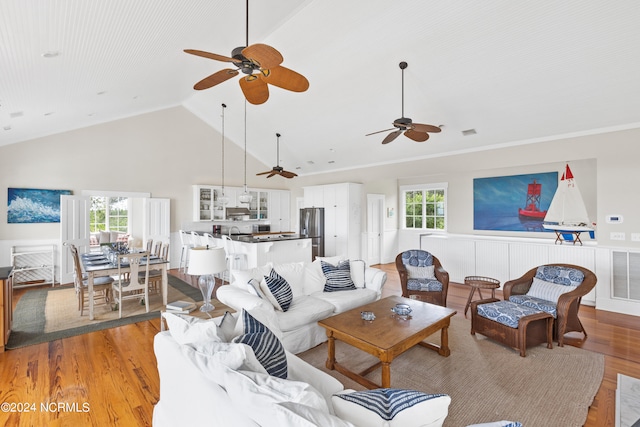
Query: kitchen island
{"x":262,"y":248}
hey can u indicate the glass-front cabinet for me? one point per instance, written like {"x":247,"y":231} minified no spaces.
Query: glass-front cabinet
{"x":204,"y":198}
{"x":259,"y":206}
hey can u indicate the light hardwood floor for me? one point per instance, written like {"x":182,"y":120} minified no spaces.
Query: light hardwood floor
{"x":110,"y":378}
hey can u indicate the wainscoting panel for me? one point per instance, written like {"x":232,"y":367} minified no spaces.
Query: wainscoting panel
{"x":492,"y":260}
{"x":524,"y":256}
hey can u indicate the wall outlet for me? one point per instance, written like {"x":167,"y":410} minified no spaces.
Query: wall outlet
{"x":619,"y":235}
{"x":635,"y":237}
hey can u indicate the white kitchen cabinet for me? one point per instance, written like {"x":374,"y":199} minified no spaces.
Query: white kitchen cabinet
{"x":342,"y":216}
{"x":280,"y":210}
{"x":204,"y":197}
{"x":259,"y":205}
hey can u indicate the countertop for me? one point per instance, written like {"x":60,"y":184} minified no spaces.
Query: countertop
{"x":260,"y":237}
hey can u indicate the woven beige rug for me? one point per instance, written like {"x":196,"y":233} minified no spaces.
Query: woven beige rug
{"x":487,"y":381}
{"x":61,"y":309}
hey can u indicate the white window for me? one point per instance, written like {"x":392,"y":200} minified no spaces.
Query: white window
{"x":109,"y":214}
{"x":424,"y":207}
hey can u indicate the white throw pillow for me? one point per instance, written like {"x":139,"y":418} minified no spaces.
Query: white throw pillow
{"x":314,"y":280}
{"x":421,"y":272}
{"x":357,"y":272}
{"x":105,"y":237}
{"x":227,"y":326}
{"x":233,"y":355}
{"x":388,"y":407}
{"x":242,"y":277}
{"x":548,"y":291}
{"x":188,"y":329}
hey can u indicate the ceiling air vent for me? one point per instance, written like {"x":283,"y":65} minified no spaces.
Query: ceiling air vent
{"x":469,"y":132}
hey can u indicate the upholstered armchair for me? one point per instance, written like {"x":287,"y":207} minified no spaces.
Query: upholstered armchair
{"x":542,"y":286}
{"x":422,"y":276}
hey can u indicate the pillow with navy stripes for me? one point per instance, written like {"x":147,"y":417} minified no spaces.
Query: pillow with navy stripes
{"x":391,"y":407}
{"x":266,"y":346}
{"x":338,"y":276}
{"x":277,"y":291}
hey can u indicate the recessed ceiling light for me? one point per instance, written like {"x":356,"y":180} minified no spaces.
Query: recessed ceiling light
{"x":310,"y":162}
{"x":7,"y":128}
{"x":49,"y":113}
{"x":469,"y":132}
{"x":91,"y":114}
{"x":298,"y":167}
{"x":331,"y":161}
{"x":51,"y":54}
{"x":16,"y":114}
{"x":101,"y":92}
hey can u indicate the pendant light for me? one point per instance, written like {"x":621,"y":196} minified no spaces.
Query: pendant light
{"x":245,"y":197}
{"x":223,"y":199}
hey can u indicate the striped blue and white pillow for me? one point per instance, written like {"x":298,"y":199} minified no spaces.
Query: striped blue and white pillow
{"x":338,"y":276}
{"x":266,"y":346}
{"x":369,"y":407}
{"x":548,"y":291}
{"x":280,"y":290}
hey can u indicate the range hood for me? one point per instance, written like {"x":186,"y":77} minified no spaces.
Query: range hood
{"x":238,"y":214}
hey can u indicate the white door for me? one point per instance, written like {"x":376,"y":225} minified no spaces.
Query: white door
{"x":375,"y":228}
{"x":157,"y":220}
{"x":74,"y":228}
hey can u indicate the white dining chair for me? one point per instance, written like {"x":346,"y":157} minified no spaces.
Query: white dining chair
{"x":135,"y":285}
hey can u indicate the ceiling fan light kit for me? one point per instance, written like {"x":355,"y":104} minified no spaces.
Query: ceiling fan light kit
{"x":260,"y":64}
{"x":416,"y":131}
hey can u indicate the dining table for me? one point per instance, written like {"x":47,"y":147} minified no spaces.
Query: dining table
{"x":100,"y":264}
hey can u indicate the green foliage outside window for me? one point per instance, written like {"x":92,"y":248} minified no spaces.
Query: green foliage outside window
{"x":109,"y":214}
{"x":425,"y":209}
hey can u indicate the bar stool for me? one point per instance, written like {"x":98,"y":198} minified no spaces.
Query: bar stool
{"x":235,"y":260}
{"x":477,"y":283}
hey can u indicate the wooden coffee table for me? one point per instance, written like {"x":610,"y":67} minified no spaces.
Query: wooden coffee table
{"x":388,"y":335}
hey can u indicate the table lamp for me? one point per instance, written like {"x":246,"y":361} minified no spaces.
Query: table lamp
{"x":205,"y":262}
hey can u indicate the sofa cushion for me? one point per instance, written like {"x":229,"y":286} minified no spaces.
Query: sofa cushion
{"x":304,"y":310}
{"x":277,"y":290}
{"x":560,"y":275}
{"x":266,"y":346}
{"x":391,"y":407}
{"x":293,"y":273}
{"x":547,"y":290}
{"x":314,"y":280}
{"x":343,"y":301}
{"x":253,"y":287}
{"x":535,"y":303}
{"x":506,"y":312}
{"x":189,"y":329}
{"x":242,"y":277}
{"x":426,"y":272}
{"x":338,"y":277}
{"x":358,"y":268}
{"x":503,"y":423}
{"x":105,"y":237}
{"x":227,"y":327}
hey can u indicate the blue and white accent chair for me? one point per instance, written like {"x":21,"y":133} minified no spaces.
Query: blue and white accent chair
{"x":422,"y":276}
{"x":556,"y":289}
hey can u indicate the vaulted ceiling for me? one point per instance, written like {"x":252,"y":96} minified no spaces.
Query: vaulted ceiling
{"x":501,"y":71}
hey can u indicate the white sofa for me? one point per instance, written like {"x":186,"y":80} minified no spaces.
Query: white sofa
{"x":298,"y":325}
{"x":206,"y":381}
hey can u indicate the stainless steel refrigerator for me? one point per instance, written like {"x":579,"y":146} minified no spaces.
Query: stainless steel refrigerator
{"x":312,"y":226}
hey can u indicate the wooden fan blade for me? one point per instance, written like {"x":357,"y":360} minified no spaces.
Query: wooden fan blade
{"x":416,"y":136}
{"x":264,"y":173}
{"x":288,"y":174}
{"x":272,"y":174}
{"x":255,"y":90}
{"x":391,"y":137}
{"x":380,"y":131}
{"x":285,"y":78}
{"x":215,"y":78}
{"x":210,"y":55}
{"x":425,"y":128}
{"x":264,"y":55}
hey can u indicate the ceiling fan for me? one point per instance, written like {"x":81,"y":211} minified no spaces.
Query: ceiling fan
{"x":278,"y":170}
{"x":260,"y":63}
{"x":414,"y":131}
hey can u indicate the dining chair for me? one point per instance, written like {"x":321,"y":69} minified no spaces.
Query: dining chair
{"x":157,"y":249}
{"x":149,"y":245}
{"x":155,"y":275}
{"x":137,"y":286}
{"x":101,"y":285}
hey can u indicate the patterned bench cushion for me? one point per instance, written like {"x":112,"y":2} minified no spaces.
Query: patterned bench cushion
{"x":506,"y":312}
{"x":536,"y":303}
{"x":424,"y":285}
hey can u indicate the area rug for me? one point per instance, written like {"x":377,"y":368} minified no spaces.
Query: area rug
{"x":43,"y":315}
{"x":487,"y":381}
{"x":628,"y":401}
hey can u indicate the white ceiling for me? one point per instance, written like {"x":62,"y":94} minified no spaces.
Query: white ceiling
{"x":515,"y":71}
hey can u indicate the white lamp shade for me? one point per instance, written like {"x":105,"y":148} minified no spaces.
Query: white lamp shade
{"x":203,"y":261}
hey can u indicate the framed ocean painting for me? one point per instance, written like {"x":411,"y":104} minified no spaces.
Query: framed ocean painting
{"x":30,"y":205}
{"x":513,"y":203}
